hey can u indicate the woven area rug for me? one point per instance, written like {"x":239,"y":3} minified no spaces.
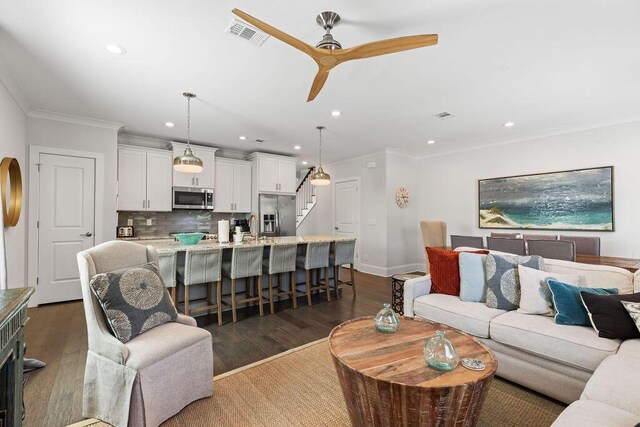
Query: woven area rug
{"x":300,"y":388}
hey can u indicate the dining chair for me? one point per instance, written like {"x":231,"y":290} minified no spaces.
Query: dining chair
{"x":315,"y":259}
{"x":504,"y":244}
{"x":505,"y":235}
{"x":553,"y":249}
{"x":585,"y":245}
{"x":121,"y":380}
{"x":167,"y":266}
{"x":467,"y":241}
{"x":342,"y":252}
{"x":539,"y":237}
{"x":282,"y":259}
{"x":202,"y":266}
{"x":245,"y":263}
{"x":434,"y":235}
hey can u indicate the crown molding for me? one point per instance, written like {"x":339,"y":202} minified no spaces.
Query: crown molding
{"x":144,"y":141}
{"x":13,"y":87}
{"x":70,"y":118}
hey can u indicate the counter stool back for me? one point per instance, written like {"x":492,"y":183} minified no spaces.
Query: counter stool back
{"x":167,"y":262}
{"x":282,"y":259}
{"x":202,"y":266}
{"x":246,"y":263}
{"x":343,"y":252}
{"x":315,"y":258}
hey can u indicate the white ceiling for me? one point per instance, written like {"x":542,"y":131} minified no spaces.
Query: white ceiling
{"x":549,"y":66}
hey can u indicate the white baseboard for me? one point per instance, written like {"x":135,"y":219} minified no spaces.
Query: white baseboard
{"x":390,"y":271}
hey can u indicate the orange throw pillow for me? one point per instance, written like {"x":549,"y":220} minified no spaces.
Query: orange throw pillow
{"x":445,"y":271}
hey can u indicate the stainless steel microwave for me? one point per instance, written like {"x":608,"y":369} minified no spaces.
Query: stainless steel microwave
{"x":192,"y":198}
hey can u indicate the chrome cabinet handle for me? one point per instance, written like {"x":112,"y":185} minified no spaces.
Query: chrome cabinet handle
{"x":148,"y":203}
{"x":144,"y":204}
{"x":198,"y":182}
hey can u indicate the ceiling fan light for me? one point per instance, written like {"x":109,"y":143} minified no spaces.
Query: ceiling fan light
{"x":328,"y":42}
{"x":320,"y":178}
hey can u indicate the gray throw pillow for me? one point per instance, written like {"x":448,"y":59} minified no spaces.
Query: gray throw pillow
{"x":503,"y":281}
{"x":134,"y":300}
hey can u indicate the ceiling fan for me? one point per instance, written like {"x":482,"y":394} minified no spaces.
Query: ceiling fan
{"x":328,"y":52}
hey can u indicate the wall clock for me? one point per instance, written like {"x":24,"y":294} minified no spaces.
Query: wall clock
{"x":402,"y":197}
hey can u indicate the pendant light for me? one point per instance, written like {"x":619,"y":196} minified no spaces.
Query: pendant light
{"x":188,"y":163}
{"x":320,"y":177}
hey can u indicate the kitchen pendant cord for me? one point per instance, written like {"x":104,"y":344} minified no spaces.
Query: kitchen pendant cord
{"x":320,"y":147}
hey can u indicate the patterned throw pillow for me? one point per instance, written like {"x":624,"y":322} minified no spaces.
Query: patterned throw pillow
{"x":633,"y":308}
{"x":503,"y":282}
{"x":134,"y":300}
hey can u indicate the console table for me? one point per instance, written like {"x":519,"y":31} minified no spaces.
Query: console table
{"x":13,"y":317}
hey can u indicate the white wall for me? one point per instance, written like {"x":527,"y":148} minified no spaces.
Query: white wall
{"x":13,"y":143}
{"x":74,"y":136}
{"x":372,"y":242}
{"x":448,"y":183}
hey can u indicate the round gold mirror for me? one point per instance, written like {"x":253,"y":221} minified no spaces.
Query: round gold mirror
{"x":12,"y":203}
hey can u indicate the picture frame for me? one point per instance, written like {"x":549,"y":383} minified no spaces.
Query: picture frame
{"x":568,"y":200}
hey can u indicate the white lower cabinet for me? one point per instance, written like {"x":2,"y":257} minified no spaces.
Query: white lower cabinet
{"x":144,"y":179}
{"x":233,"y":186}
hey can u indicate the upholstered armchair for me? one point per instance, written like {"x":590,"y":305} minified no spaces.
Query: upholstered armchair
{"x":153,"y":376}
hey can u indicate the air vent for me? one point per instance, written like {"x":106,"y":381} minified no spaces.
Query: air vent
{"x":258,"y":141}
{"x":444,"y":115}
{"x":247,"y":32}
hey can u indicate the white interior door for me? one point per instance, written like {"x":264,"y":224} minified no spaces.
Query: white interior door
{"x":66,"y":217}
{"x":347,"y":210}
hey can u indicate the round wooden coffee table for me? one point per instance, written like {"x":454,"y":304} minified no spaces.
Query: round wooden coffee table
{"x":386,"y":381}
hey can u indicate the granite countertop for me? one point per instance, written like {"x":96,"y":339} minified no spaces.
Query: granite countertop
{"x":173,"y":246}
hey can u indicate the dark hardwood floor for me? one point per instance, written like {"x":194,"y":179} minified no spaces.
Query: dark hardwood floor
{"x":56,"y":334}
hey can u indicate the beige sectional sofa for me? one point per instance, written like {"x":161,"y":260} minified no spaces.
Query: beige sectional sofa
{"x":534,"y":351}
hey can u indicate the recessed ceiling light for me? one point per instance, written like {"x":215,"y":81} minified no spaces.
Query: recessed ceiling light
{"x":296,"y":147}
{"x":304,"y":162}
{"x":242,"y":138}
{"x":169,"y":124}
{"x":508,"y":124}
{"x":116,"y":49}
{"x":336,"y":113}
{"x":431,"y":141}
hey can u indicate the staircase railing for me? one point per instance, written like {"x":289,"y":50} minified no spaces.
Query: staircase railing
{"x":305,"y":197}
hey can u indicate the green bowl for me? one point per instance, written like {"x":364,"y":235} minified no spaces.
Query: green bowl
{"x":189,"y":238}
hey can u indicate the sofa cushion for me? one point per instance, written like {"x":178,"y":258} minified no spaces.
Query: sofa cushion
{"x":473,"y":277}
{"x":577,"y":346}
{"x":608,"y":315}
{"x":568,"y":304}
{"x":503,"y":282}
{"x":615,"y":383}
{"x":594,"y":276}
{"x":587,"y":413}
{"x":535,"y":296}
{"x":161,"y":342}
{"x":470,"y":317}
{"x":630,"y":348}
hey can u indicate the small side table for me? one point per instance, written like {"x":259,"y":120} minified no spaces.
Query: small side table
{"x":397,"y":291}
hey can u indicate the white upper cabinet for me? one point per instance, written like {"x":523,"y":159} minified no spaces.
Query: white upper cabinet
{"x":233,"y":186}
{"x":144,"y":179}
{"x":204,"y":179}
{"x":275,"y":174}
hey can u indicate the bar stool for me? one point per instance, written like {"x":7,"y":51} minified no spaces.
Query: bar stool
{"x":202,"y":266}
{"x":282,"y":259}
{"x":167,"y":267}
{"x":245,"y":263}
{"x":315,"y":258}
{"x":343,"y":253}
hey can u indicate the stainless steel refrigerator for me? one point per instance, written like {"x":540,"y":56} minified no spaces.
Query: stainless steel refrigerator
{"x":277,"y":215}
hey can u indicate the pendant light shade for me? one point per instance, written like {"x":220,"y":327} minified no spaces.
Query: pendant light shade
{"x":320,"y":177}
{"x":188,"y":163}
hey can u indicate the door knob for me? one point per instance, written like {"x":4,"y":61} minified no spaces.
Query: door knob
{"x":88,"y":234}
{"x":335,"y":228}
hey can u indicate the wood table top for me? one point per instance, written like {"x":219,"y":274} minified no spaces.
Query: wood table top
{"x":398,"y":357}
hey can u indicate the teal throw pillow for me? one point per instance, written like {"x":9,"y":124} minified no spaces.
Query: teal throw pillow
{"x":568,"y":304}
{"x":473,"y":282}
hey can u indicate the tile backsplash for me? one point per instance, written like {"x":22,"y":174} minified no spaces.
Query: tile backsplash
{"x":178,"y":221}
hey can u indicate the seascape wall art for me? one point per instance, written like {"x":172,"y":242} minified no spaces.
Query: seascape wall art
{"x":568,"y":200}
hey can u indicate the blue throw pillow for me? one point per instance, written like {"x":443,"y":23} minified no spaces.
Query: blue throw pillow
{"x":568,"y":304}
{"x":473,"y":282}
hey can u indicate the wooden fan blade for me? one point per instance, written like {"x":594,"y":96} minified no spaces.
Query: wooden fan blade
{"x":280,"y":35}
{"x":384,"y":47}
{"x":317,"y":84}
